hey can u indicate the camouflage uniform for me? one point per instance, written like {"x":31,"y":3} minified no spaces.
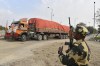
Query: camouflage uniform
{"x":78,"y":55}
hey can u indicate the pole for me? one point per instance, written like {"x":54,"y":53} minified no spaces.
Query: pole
{"x":69,"y":21}
{"x":51,"y":13}
{"x":94,"y":14}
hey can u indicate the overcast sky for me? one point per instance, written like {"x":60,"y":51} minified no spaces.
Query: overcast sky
{"x":78,"y":10}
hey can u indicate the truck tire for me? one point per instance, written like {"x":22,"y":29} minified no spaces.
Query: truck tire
{"x":64,"y":36}
{"x":5,"y":37}
{"x":23,"y":37}
{"x":61,"y":37}
{"x":39,"y":37}
{"x":45,"y":37}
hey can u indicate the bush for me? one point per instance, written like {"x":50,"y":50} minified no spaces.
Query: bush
{"x":98,"y":37}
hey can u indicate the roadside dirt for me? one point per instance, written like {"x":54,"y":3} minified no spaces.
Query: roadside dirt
{"x":47,"y":55}
{"x":24,"y":53}
{"x":42,"y":56}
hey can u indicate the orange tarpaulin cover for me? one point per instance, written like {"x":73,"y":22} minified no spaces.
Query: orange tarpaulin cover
{"x":41,"y":23}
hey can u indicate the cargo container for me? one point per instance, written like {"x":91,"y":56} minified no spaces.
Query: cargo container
{"x":36,"y":28}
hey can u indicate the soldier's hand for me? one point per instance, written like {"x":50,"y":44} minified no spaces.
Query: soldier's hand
{"x":67,"y":50}
{"x":60,"y":50}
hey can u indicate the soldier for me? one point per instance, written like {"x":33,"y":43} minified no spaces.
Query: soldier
{"x":79,"y":54}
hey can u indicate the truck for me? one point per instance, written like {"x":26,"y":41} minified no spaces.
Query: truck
{"x":36,"y":28}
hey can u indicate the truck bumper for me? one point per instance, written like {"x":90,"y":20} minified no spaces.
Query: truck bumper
{"x":12,"y":36}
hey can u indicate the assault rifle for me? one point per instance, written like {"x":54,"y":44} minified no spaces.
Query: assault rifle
{"x":70,"y":36}
{"x":70,"y":44}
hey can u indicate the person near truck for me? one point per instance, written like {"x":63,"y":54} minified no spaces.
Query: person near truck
{"x":79,"y":54}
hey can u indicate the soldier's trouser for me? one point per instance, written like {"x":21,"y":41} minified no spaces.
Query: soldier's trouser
{"x":66,"y":61}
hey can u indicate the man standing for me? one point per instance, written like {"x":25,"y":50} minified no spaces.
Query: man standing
{"x":79,"y":54}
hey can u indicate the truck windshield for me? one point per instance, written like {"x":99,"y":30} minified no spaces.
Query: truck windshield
{"x":23,"y":26}
{"x":15,"y":24}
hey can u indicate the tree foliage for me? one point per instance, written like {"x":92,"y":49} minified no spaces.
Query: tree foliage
{"x":98,"y":16}
{"x":2,"y":28}
{"x":91,"y":29}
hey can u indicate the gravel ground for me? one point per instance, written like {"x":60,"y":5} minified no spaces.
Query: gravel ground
{"x":42,"y":53}
{"x":47,"y":56}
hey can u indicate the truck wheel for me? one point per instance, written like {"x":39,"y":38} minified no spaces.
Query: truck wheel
{"x":23,"y":37}
{"x":61,"y":36}
{"x":5,"y":37}
{"x":39,"y":37}
{"x":44,"y":37}
{"x":65,"y":36}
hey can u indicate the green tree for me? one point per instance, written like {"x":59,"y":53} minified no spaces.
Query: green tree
{"x":2,"y":28}
{"x":91,"y":29}
{"x":98,"y":16}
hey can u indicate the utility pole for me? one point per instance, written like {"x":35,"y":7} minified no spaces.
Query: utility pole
{"x":94,"y":14}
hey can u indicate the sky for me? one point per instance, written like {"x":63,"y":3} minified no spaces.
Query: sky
{"x":77,"y":10}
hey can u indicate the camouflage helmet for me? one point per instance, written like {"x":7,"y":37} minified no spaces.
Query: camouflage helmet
{"x":81,"y":30}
